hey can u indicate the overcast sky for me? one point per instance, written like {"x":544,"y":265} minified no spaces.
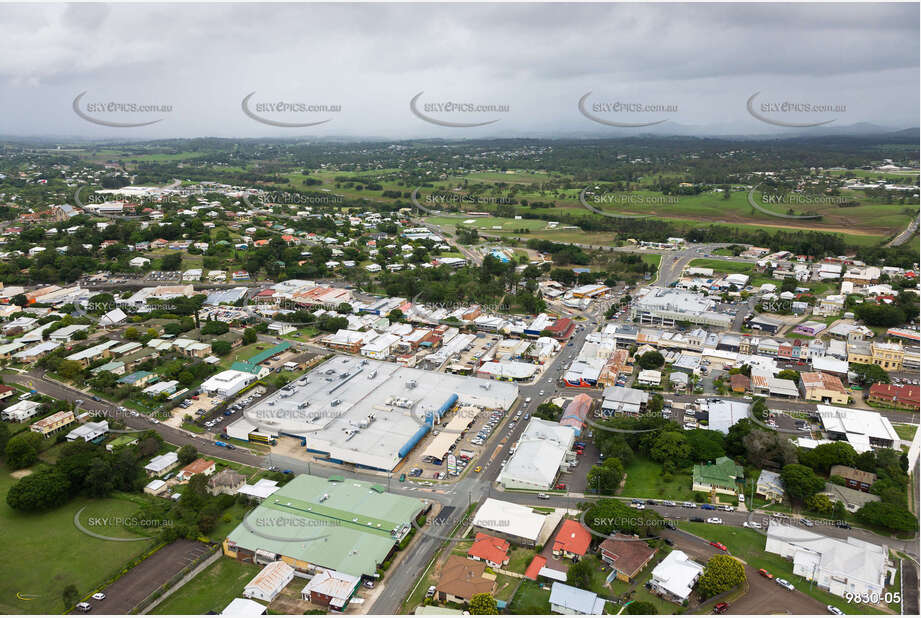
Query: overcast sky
{"x":704,"y":61}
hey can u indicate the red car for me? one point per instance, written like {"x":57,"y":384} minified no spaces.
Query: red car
{"x":561,"y":486}
{"x":718,"y":545}
{"x":764,"y":573}
{"x":720,"y":608}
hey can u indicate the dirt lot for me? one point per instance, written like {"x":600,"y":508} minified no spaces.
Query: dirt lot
{"x":133,"y":587}
{"x":202,"y":405}
{"x":763,"y":596}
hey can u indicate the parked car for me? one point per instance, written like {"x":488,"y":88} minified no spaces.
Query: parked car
{"x":834,"y":610}
{"x":720,"y":608}
{"x":718,"y":545}
{"x":714,"y":520}
{"x":708,"y":507}
{"x":699,"y":520}
{"x":84,"y":606}
{"x":99,"y":596}
{"x":751,"y":524}
{"x":543,"y":496}
{"x":784,"y":584}
{"x":807,"y":522}
{"x":843,"y":524}
{"x":765,"y":573}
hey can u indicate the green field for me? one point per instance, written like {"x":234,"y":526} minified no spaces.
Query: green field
{"x":645,"y":480}
{"x":723,"y":266}
{"x":53,"y":554}
{"x":211,"y":590}
{"x":906,"y":432}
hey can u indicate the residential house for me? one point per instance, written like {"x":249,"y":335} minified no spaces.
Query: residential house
{"x":770,"y":486}
{"x":332,"y":589}
{"x":269,"y":582}
{"x":565,"y":599}
{"x":626,"y":555}
{"x":854,"y":478}
{"x":161,"y":464}
{"x":572,"y":540}
{"x":491,"y":550}
{"x":461,"y":579}
{"x":227,"y":481}
{"x":199,"y":466}
{"x":675,"y":577}
{"x":896,"y":396}
{"x":722,"y":477}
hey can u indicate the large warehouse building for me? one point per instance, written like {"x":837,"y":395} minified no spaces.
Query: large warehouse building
{"x":369,"y":413}
{"x":336,"y":523}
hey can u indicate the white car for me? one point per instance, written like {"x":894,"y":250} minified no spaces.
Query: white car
{"x":785,"y":584}
{"x":639,"y":507}
{"x":807,"y":522}
{"x":99,"y":596}
{"x":541,"y":393}
{"x":834,"y":610}
{"x":751,"y":524}
{"x":714,"y":520}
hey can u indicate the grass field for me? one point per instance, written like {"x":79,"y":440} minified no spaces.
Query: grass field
{"x":645,"y":480}
{"x":722,"y":266}
{"x":210,"y":590}
{"x":530,"y":598}
{"x":906,"y":432}
{"x":53,"y":554}
{"x":749,"y":546}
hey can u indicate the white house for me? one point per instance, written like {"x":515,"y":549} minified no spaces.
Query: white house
{"x":269,"y":582}
{"x":676,"y":576}
{"x":837,"y":565}
{"x":566,"y":599}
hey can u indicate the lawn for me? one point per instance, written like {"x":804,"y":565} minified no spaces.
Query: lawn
{"x":723,"y":266}
{"x":645,"y":480}
{"x":906,"y":432}
{"x":58,"y":554}
{"x":530,"y":598}
{"x":211,"y":590}
{"x":520,"y":559}
{"x":749,"y":546}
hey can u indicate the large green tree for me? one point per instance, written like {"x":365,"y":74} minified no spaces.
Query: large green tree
{"x":720,"y":574}
{"x":800,"y":482}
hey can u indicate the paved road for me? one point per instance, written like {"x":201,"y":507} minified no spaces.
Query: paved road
{"x":905,"y":234}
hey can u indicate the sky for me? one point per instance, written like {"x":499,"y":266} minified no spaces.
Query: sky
{"x":689,"y":68}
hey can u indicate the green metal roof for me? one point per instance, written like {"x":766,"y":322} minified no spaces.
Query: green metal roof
{"x":723,"y":473}
{"x":246,"y":366}
{"x":267,"y":354}
{"x":344,"y":526}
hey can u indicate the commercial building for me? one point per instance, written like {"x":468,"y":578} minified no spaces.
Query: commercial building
{"x":516,"y":523}
{"x":818,"y":386}
{"x":339,"y":524}
{"x":668,"y":306}
{"x":542,"y":450}
{"x":840,"y":566}
{"x":862,"y":429}
{"x":902,"y":396}
{"x":621,"y":400}
{"x":227,"y":383}
{"x":370,"y":413}
{"x":724,"y":413}
{"x":577,"y":412}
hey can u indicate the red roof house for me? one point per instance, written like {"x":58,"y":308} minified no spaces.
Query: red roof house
{"x":489,"y":549}
{"x":904,"y":396}
{"x":572,"y":539}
